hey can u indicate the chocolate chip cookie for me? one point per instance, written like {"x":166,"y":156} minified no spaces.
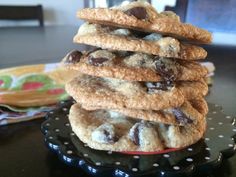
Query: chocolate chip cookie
{"x":143,"y":17}
{"x":113,"y":93}
{"x":133,"y":66}
{"x":193,"y":90}
{"x":108,"y":130}
{"x":200,"y":104}
{"x":181,"y":116}
{"x":125,"y":40}
{"x":123,"y":94}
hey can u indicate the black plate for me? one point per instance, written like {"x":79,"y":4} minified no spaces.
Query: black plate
{"x":200,"y":157}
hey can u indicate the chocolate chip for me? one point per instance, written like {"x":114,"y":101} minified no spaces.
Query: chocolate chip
{"x":136,"y":132}
{"x":153,"y":87}
{"x":101,"y":57}
{"x":139,"y":132}
{"x":105,"y":134}
{"x":134,"y":135}
{"x":109,"y":136}
{"x":166,"y":73}
{"x":123,"y":53}
{"x":139,"y":34}
{"x":181,"y":117}
{"x":139,"y":12}
{"x":97,"y":61}
{"x":73,"y":57}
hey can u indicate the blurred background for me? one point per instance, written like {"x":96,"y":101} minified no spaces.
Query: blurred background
{"x":217,"y":16}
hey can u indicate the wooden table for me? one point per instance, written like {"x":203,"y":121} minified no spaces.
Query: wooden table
{"x":22,"y":149}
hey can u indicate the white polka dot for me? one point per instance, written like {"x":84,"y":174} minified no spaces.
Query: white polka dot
{"x":57,"y":130}
{"x":166,"y":155}
{"x":216,"y":105}
{"x":207,"y":158}
{"x":208,"y":149}
{"x":67,"y":124}
{"x":50,"y":137}
{"x":117,"y":163}
{"x":155,"y":165}
{"x":209,"y":118}
{"x":98,"y":163}
{"x":66,"y":143}
{"x":207,"y":139}
{"x":62,"y":102}
{"x":134,"y":169}
{"x":47,"y":124}
{"x":230,"y":145}
{"x":176,"y":167}
{"x":189,"y":159}
{"x":220,"y":123}
{"x":65,"y":109}
{"x":212,"y":128}
{"x":72,"y":134}
{"x":214,"y":112}
{"x":227,"y":117}
{"x":136,"y":157}
{"x":51,"y":112}
{"x":69,"y":152}
{"x":221,"y":136}
{"x":109,"y":152}
{"x":85,"y":155}
{"x":57,"y":118}
{"x":234,"y":129}
{"x":190,"y":149}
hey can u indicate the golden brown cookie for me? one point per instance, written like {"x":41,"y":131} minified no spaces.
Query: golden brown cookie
{"x":200,"y":104}
{"x":133,"y":66}
{"x":181,"y":116}
{"x":181,"y":136}
{"x":124,"y":94}
{"x":125,"y":40}
{"x":143,"y":17}
{"x":107,"y":130}
{"x":193,"y":90}
{"x":117,"y":94}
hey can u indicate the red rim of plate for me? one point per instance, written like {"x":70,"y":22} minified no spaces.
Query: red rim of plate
{"x":150,"y":153}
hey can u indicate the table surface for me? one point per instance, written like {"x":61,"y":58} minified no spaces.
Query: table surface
{"x":22,"y":149}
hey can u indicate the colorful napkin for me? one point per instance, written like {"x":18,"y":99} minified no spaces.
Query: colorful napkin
{"x":28,"y":92}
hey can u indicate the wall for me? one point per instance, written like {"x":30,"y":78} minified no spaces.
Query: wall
{"x":56,"y":12}
{"x":225,"y":38}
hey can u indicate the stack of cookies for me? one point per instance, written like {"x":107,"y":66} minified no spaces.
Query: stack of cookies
{"x":140,"y":88}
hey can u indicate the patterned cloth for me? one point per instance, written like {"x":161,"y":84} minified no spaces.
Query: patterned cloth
{"x":28,"y":92}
